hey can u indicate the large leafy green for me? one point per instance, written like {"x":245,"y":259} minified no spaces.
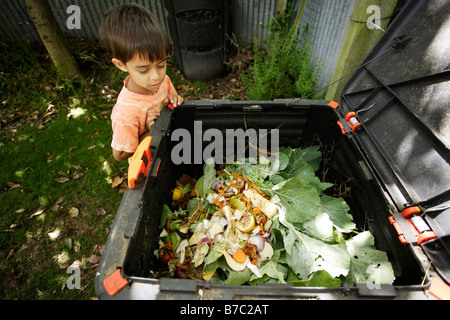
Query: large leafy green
{"x":306,"y":255}
{"x":203,"y":185}
{"x":319,"y":278}
{"x":337,"y":210}
{"x":313,"y":234}
{"x":368,"y":265}
{"x":300,"y":200}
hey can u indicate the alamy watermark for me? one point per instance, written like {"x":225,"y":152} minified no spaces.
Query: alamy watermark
{"x":74,"y":20}
{"x":74,"y":280}
{"x":226,"y":146}
{"x":374,"y":21}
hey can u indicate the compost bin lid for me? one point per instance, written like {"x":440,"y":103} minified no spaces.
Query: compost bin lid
{"x":400,"y":95}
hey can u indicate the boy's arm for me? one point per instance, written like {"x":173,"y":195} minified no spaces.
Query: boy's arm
{"x":123,"y":155}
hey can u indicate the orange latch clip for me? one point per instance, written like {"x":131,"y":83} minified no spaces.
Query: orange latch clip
{"x":424,"y":232}
{"x":409,"y":212}
{"x":417,"y":224}
{"x":401,"y":237}
{"x":114,"y":283}
{"x":140,"y":163}
{"x":333,"y":104}
{"x":352,"y":121}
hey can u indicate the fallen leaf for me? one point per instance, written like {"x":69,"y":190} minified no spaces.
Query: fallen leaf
{"x":117,"y":180}
{"x":76,"y":246}
{"x":78,"y":175}
{"x":54,"y":234}
{"x":76,"y":264}
{"x":62,"y":259}
{"x":62,"y":180}
{"x":38,"y":212}
{"x":55,"y":206}
{"x":77,"y":166}
{"x":10,"y":254}
{"x":123,"y":189}
{"x":93,"y":259}
{"x":101,"y":211}
{"x":12,"y":185}
{"x":92,"y":147}
{"x":104,"y":113}
{"x":73,"y":212}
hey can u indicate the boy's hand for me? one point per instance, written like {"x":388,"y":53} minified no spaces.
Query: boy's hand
{"x":174,"y":99}
{"x":152,"y":114}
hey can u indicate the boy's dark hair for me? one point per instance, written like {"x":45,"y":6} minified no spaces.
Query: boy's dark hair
{"x":131,"y":29}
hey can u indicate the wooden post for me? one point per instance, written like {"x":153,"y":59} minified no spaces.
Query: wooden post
{"x":52,"y":37}
{"x":359,"y":40}
{"x":280,"y":6}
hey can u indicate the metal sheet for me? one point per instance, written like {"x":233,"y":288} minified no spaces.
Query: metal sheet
{"x":328,"y":20}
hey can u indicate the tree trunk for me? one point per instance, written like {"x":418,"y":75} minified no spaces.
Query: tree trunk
{"x":52,"y":37}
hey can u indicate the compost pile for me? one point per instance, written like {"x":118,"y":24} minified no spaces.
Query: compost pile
{"x":266,"y":221}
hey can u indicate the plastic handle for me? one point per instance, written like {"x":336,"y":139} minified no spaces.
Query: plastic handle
{"x":140,"y":162}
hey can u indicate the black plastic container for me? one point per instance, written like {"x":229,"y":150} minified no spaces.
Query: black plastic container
{"x":198,"y":31}
{"x":389,"y":139}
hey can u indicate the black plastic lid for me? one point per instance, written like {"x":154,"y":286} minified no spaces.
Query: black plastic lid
{"x":400,"y":95}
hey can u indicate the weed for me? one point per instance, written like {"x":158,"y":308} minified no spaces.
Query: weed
{"x":283,"y":67}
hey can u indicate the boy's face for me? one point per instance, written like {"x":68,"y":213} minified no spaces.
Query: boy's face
{"x":146,"y":76}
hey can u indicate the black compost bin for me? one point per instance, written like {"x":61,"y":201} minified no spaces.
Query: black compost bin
{"x":390,"y":139}
{"x":198,"y":30}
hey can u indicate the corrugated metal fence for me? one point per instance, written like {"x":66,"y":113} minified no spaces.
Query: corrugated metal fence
{"x":328,"y":20}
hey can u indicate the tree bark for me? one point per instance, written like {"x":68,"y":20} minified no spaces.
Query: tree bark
{"x":52,"y":37}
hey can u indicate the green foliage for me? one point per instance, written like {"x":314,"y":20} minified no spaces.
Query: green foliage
{"x":283,"y":67}
{"x":314,"y":238}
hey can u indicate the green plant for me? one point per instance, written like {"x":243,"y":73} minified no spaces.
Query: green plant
{"x":283,"y":67}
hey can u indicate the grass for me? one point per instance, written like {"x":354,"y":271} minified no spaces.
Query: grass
{"x":54,"y":156}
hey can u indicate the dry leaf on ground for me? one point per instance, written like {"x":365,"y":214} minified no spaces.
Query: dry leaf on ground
{"x":55,"y":206}
{"x":62,"y":180}
{"x":38,"y":212}
{"x":12,"y":185}
{"x":73,"y":212}
{"x":94,"y":259}
{"x":54,"y":234}
{"x":78,"y":175}
{"x":116,"y":181}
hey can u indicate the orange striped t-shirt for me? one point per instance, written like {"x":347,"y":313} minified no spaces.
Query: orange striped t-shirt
{"x":130,"y":112}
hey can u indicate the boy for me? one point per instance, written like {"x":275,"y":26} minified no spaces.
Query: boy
{"x":140,"y":47}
